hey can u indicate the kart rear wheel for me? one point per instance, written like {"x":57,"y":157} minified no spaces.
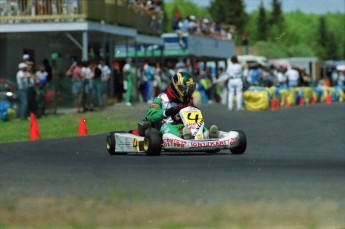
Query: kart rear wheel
{"x":111,"y":143}
{"x":242,"y":145}
{"x":152,"y":142}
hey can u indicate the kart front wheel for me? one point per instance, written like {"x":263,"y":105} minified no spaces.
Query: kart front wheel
{"x":152,"y":142}
{"x":242,"y":145}
{"x":111,"y":143}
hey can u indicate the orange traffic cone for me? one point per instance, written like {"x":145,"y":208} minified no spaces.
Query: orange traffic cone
{"x":272,"y":105}
{"x":301,"y":102}
{"x":287,"y":105}
{"x":313,"y":101}
{"x":82,"y":127}
{"x":328,"y":99}
{"x":276,"y":104}
{"x":34,"y":131}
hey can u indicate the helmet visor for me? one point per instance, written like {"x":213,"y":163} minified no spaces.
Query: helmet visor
{"x":187,"y":91}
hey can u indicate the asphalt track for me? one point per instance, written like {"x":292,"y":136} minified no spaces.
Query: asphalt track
{"x":292,"y":154}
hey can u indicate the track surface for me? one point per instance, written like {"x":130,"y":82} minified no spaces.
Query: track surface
{"x":292,"y":154}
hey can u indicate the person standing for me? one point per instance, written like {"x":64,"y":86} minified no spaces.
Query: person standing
{"x":77,"y":87}
{"x":292,"y":76}
{"x":128,"y":77}
{"x":245,"y":43}
{"x":42,"y":75}
{"x":31,"y":89}
{"x":106,"y":73}
{"x":88,"y":75}
{"x":149,"y":73}
{"x":22,"y":81}
{"x":235,"y":84}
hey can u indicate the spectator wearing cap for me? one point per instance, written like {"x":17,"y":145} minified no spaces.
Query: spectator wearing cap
{"x":191,"y":25}
{"x":22,"y":80}
{"x":206,"y":27}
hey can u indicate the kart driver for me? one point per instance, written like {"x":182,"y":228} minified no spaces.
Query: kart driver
{"x":167,"y":104}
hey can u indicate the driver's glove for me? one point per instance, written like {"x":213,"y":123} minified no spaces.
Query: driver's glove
{"x":172,"y":111}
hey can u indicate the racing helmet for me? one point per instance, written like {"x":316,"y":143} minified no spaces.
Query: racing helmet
{"x":182,"y":85}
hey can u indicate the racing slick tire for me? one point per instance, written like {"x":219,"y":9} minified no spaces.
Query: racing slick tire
{"x":242,"y":145}
{"x":152,"y":142}
{"x":110,"y":142}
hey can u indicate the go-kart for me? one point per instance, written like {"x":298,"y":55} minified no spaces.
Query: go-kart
{"x":148,"y":139}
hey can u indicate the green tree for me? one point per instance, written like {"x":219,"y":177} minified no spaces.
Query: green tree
{"x":262,"y":23}
{"x":331,"y":51}
{"x":276,"y":22}
{"x":229,"y":12}
{"x":321,"y":38}
{"x":322,"y":32}
{"x":277,"y":17}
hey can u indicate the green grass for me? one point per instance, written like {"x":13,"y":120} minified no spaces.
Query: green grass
{"x":60,"y":126}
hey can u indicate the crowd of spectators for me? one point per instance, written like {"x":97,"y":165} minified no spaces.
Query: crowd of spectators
{"x":90,"y":82}
{"x":279,"y":76}
{"x":32,"y":82}
{"x":198,"y":26}
{"x":153,"y":10}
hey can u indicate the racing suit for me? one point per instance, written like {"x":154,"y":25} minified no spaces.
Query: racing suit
{"x":156,"y":113}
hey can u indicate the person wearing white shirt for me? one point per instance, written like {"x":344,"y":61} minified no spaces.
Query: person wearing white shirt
{"x":22,"y":80}
{"x":106,"y":73}
{"x":88,"y":73}
{"x":235,"y":83}
{"x":234,"y":73}
{"x":41,"y":75}
{"x":292,"y":76}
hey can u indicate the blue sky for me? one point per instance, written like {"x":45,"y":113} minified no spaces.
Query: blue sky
{"x":306,"y":6}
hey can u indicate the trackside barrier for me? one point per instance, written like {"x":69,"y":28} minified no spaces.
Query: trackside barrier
{"x":260,"y":98}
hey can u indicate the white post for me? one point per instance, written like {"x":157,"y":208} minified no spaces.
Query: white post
{"x":85,"y":46}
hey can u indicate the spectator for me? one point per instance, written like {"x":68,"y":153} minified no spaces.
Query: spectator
{"x":192,"y":27}
{"x":281,"y":79}
{"x":254,"y":75}
{"x":149,"y":73}
{"x":97,"y":85}
{"x":305,"y":79}
{"x":177,"y":26}
{"x":78,"y":88}
{"x":31,"y":89}
{"x":245,"y":43}
{"x":106,"y":73}
{"x":341,"y":75}
{"x":234,"y":71}
{"x":128,"y":78}
{"x":48,"y":69}
{"x":157,"y":82}
{"x":88,"y":74}
{"x":22,"y":80}
{"x":42,"y":75}
{"x":292,"y":76}
{"x":206,"y":27}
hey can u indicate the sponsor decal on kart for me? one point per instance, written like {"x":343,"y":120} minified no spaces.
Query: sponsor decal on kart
{"x":174,"y":143}
{"x":208,"y":143}
{"x":233,"y":141}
